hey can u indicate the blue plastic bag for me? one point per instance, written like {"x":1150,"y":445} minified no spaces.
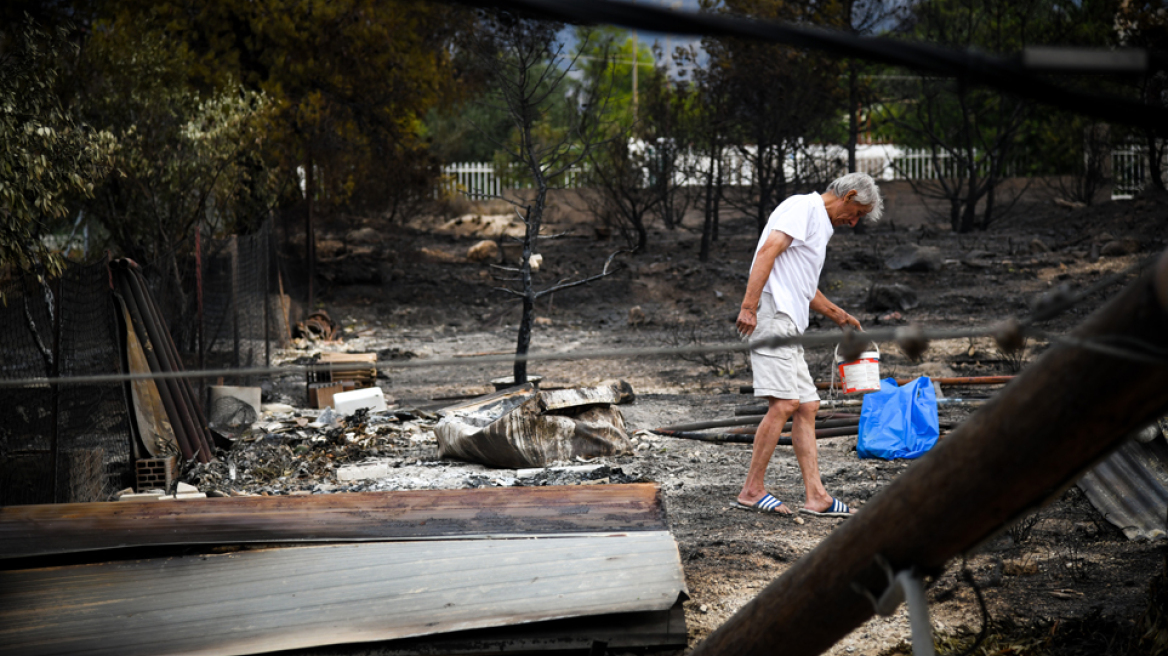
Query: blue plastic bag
{"x":899,"y":422}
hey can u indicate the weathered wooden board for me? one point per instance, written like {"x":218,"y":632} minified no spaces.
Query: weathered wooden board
{"x":268,"y":600}
{"x":63,"y":528}
{"x":657,"y":629}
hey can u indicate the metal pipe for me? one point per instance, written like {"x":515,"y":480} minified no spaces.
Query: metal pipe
{"x":970,"y":380}
{"x":178,"y":403}
{"x":164,"y":390}
{"x":190,"y":399}
{"x":754,"y":420}
{"x":759,"y":410}
{"x":1068,"y":409}
{"x":742,"y":436}
{"x":160,"y":339}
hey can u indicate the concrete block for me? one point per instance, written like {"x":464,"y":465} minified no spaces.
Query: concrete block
{"x":364,"y":471}
{"x":574,"y":469}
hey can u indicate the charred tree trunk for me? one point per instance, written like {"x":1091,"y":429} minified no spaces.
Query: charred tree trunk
{"x":988,"y":216}
{"x":1155,"y":156}
{"x":533,"y":219}
{"x":853,"y":120}
{"x":717,"y":197}
{"x":309,"y":234}
{"x":708,"y":223}
{"x":861,"y":227}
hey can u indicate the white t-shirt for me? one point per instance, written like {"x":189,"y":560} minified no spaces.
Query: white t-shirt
{"x":795,"y":276}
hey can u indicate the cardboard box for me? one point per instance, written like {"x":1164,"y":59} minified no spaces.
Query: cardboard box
{"x":320,"y":395}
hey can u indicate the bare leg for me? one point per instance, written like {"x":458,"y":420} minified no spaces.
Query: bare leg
{"x":807,"y":453}
{"x":765,"y":441}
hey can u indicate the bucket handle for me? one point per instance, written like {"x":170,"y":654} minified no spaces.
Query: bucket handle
{"x":837,"y":359}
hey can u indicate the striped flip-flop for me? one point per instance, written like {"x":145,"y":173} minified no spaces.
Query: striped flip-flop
{"x":838,"y":509}
{"x":768,"y":505}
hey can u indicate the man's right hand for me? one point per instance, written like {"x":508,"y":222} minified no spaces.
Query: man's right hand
{"x":747,"y":322}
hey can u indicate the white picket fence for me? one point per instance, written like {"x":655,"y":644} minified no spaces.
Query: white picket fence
{"x":881,"y":161}
{"x":1129,"y":170}
{"x":483,"y":179}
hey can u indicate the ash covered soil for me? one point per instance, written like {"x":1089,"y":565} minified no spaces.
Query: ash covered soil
{"x":1065,"y":574}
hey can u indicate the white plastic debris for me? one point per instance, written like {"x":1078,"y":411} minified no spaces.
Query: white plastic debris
{"x":346,"y":403}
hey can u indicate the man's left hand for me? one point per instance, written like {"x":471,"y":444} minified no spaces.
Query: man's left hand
{"x":849,"y":320}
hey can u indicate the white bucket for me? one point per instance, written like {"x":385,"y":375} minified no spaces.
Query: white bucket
{"x":860,"y":375}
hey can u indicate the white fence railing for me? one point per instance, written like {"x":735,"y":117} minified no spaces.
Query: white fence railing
{"x":881,"y":161}
{"x":1130,"y":171}
{"x":483,"y":179}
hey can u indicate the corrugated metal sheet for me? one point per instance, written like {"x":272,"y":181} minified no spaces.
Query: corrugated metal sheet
{"x":1130,"y":489}
{"x":268,"y":600}
{"x":528,"y":428}
{"x":369,"y":516}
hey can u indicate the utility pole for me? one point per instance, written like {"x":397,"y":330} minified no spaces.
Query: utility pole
{"x":635,"y":66}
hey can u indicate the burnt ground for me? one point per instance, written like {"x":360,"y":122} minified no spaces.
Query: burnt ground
{"x":1063,"y":581}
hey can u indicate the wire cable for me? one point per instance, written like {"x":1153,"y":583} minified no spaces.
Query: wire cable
{"x":968,"y":66}
{"x":912,"y":338}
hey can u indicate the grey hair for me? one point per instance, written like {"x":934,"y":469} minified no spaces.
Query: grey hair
{"x":867,"y":193}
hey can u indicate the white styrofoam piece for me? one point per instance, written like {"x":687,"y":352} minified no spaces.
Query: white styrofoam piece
{"x":573,"y":469}
{"x":346,"y":403}
{"x":142,"y":496}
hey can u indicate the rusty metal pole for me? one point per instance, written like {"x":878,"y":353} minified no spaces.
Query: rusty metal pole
{"x":150,"y":351}
{"x":745,"y":434}
{"x":970,"y":380}
{"x":1067,"y":410}
{"x":187,"y":402}
{"x":753,"y":421}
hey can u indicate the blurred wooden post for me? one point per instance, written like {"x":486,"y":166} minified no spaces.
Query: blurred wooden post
{"x":1062,"y":414}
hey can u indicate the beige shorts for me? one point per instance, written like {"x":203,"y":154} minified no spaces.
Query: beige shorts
{"x":779,"y":372}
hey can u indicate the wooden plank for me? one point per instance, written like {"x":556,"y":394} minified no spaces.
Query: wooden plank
{"x":64,"y":528}
{"x":273,"y":599}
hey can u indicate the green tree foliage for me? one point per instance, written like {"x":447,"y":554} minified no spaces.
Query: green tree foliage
{"x":783,"y":99}
{"x":605,"y":58}
{"x":188,"y":161}
{"x":348,"y":81}
{"x":633,"y":175}
{"x":187,"y":158}
{"x":49,"y":156}
{"x":976,"y":133}
{"x":470,"y":131}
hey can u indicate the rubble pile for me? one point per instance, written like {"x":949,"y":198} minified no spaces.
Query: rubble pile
{"x":299,"y":450}
{"x":293,"y":451}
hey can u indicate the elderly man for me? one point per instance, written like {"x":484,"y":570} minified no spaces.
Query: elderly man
{"x":782,"y":288}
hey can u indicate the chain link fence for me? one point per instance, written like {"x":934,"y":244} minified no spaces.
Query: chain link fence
{"x":73,"y":442}
{"x":62,"y":443}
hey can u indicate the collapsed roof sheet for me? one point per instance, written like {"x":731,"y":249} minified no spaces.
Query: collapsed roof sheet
{"x":1130,"y":489}
{"x":523,"y":427}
